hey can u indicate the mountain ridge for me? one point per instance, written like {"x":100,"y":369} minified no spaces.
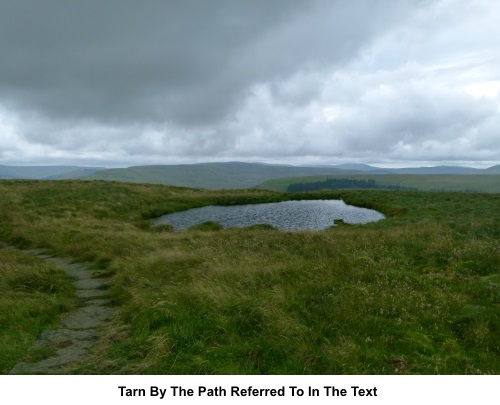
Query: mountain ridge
{"x":217,"y":175}
{"x":45,"y":172}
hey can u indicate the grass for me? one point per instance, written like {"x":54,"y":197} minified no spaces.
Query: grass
{"x":33,"y":295}
{"x":417,"y":293}
{"x":477,"y":183}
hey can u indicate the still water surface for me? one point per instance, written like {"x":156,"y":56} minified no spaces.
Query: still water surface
{"x":287,"y":216}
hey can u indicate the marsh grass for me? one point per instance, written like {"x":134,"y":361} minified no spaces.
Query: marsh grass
{"x":416,"y":293}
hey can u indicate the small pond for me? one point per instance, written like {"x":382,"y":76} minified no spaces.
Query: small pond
{"x":286,"y":216}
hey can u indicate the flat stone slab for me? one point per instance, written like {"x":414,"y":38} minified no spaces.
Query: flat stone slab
{"x":37,"y":252}
{"x":90,"y":316}
{"x":79,"y":271}
{"x":62,"y":337}
{"x":90,"y":283}
{"x":91,"y":294}
{"x":73,"y":346}
{"x":98,"y":301}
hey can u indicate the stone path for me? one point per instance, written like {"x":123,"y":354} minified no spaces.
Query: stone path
{"x":80,"y":327}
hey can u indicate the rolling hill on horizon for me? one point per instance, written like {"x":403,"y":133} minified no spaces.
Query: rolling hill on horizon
{"x":45,"y":172}
{"x":246,"y":175}
{"x":212,"y":175}
{"x":440,"y":169}
{"x":234,"y":175}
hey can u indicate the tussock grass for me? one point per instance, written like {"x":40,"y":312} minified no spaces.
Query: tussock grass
{"x":33,"y":294}
{"x":417,"y":293}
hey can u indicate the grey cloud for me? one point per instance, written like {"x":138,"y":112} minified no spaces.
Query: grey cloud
{"x":112,"y":59}
{"x":184,"y":61}
{"x":161,"y":81}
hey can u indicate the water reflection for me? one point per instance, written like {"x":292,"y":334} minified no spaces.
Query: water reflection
{"x":288,"y":215}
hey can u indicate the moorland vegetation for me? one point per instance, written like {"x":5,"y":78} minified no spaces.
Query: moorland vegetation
{"x":416,"y":293}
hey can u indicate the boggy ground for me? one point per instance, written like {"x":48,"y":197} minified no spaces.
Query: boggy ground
{"x":416,"y":293}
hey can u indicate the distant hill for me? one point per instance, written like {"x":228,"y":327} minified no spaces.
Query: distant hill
{"x":245,"y":175}
{"x":438,"y":170}
{"x":234,"y":175}
{"x":411,"y":170}
{"x":212,"y":175}
{"x":45,"y":172}
{"x":492,"y":170}
{"x":356,"y":166}
{"x":78,"y":173}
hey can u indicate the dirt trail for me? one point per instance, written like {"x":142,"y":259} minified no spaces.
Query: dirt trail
{"x":80,"y":327}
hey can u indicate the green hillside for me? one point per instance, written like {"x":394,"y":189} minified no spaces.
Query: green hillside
{"x":493,"y":170}
{"x":232,"y":175}
{"x":435,"y":182}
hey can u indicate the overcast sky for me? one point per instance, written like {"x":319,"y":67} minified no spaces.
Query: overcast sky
{"x":124,"y":82}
